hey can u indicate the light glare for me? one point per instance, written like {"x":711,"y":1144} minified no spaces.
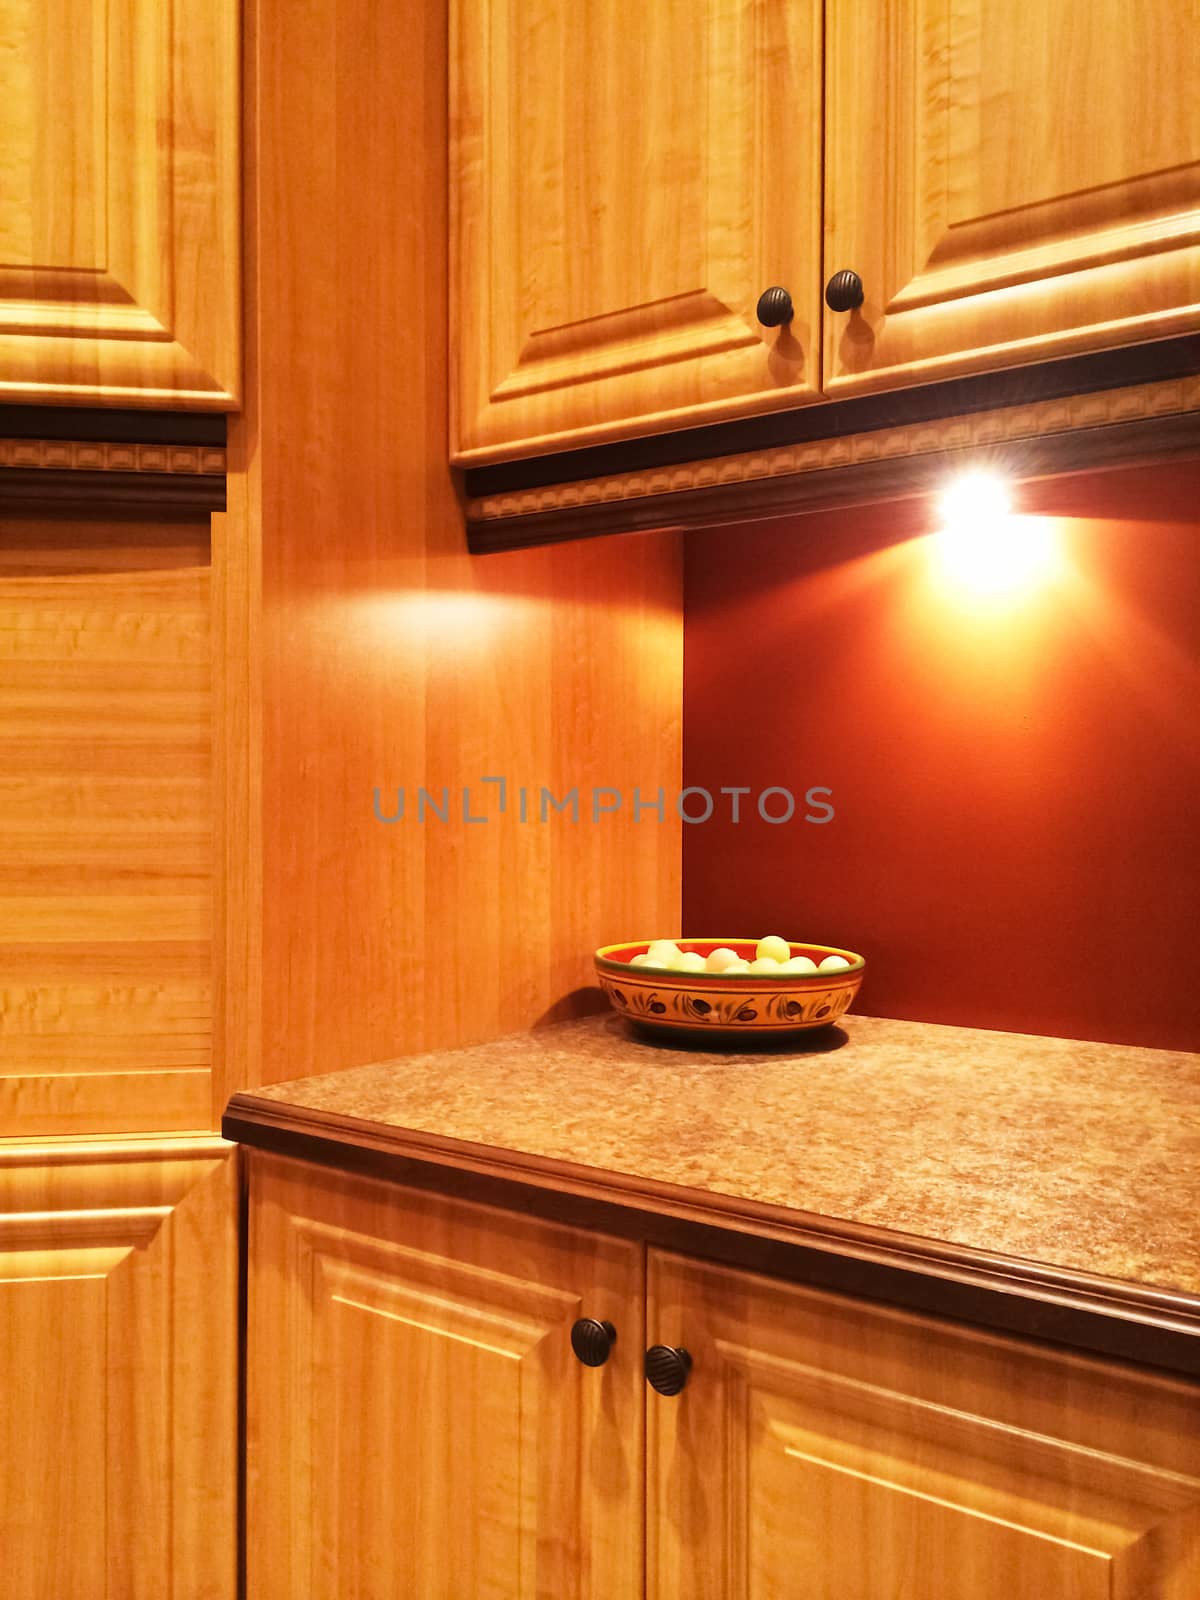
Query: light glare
{"x":986,"y":552}
{"x":974,"y":499}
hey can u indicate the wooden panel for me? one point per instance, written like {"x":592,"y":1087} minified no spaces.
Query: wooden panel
{"x":118,"y":1433}
{"x":417,"y":1422}
{"x":105,"y":823}
{"x":119,"y":253}
{"x":237,"y":789}
{"x":995,"y":177}
{"x":49,"y":1380}
{"x":384,"y":655}
{"x":627,"y":182}
{"x":878,"y":1452}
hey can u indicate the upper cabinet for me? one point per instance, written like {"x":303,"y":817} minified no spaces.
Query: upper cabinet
{"x":628,"y":180}
{"x":1010,"y":184}
{"x":119,"y":205}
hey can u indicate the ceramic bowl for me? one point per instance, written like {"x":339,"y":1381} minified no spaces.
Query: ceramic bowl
{"x":754,"y":1004}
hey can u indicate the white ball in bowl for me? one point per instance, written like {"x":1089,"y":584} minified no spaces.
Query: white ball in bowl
{"x":689,"y":961}
{"x":663,"y":953}
{"x":799,"y":964}
{"x":721,"y":959}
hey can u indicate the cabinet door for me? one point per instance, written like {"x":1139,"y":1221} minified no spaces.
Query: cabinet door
{"x":417,"y":1422}
{"x":118,"y":1368}
{"x":842,"y":1451}
{"x":627,"y":180}
{"x":119,"y":208}
{"x":1012,"y":182}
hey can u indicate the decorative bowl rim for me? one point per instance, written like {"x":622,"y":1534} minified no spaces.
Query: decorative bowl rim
{"x":605,"y":963}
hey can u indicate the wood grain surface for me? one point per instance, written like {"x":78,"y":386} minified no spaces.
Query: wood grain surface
{"x":381,"y":655}
{"x":881,"y":1453}
{"x":118,"y":1438}
{"x":417,"y":1422}
{"x":626,"y":183}
{"x":119,"y":281}
{"x":105,"y":828}
{"x":1010,"y":186}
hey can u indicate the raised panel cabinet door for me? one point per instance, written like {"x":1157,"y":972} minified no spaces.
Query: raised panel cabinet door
{"x":626,"y":181}
{"x":1011,"y":182}
{"x":417,"y":1422}
{"x":118,"y":1370}
{"x":843,"y":1451}
{"x":119,"y":202}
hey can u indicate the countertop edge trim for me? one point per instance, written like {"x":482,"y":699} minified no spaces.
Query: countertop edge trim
{"x":1152,"y":1325}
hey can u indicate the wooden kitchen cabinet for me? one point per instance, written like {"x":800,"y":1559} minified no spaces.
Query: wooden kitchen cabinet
{"x":118,"y":1365}
{"x":1012,"y":183}
{"x":119,"y":210}
{"x":627,"y":181}
{"x":848,"y":1451}
{"x":417,"y":1423}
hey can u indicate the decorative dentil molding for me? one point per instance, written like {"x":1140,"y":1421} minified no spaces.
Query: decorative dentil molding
{"x":79,"y":455}
{"x":1139,"y":402}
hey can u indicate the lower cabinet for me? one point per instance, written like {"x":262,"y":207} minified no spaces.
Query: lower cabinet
{"x":419,"y":1425}
{"x":836,"y":1450}
{"x":118,"y":1370}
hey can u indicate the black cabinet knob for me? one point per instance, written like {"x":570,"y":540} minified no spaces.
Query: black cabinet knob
{"x":844,"y":291}
{"x":667,"y":1368}
{"x":592,"y":1341}
{"x":775,"y":307}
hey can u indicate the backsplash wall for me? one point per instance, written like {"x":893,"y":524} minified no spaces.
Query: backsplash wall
{"x":1015,"y":782}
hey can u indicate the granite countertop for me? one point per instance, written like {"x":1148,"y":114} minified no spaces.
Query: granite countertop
{"x":1083,"y":1157}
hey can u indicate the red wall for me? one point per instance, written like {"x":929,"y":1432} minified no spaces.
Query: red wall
{"x":1016,"y":783}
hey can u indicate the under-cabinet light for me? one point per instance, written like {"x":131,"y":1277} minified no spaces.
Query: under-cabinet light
{"x":986,"y":550}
